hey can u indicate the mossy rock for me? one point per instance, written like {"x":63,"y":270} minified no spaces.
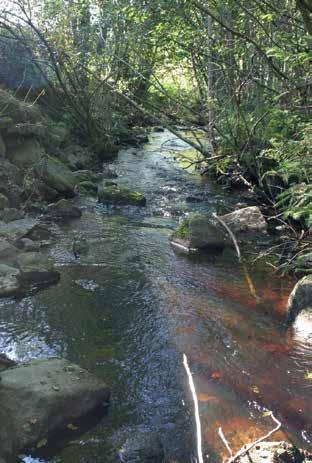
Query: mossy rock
{"x":120,"y":195}
{"x":57,"y":176}
{"x":198,"y":232}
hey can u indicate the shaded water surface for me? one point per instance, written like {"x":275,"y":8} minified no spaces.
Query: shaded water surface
{"x":129,"y":310}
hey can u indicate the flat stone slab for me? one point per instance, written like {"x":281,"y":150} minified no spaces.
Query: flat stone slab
{"x":43,"y":397}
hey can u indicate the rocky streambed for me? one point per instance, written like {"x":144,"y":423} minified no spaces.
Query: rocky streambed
{"x":97,"y":281}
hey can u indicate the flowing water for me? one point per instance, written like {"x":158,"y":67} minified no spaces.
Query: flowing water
{"x":131,"y":307}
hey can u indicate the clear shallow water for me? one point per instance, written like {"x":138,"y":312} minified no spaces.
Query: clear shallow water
{"x":129,"y":309}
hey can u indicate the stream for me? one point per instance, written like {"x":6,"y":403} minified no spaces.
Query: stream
{"x":129,"y":309}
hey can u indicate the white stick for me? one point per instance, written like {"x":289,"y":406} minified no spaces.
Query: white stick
{"x":196,"y":410}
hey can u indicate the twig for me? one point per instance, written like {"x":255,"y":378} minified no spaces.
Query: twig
{"x":231,"y":235}
{"x":247,"y":448}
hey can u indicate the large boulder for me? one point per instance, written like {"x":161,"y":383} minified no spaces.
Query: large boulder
{"x":57,"y":176}
{"x":64,"y":209}
{"x":43,"y":397}
{"x":9,"y":281}
{"x":112,"y":193}
{"x":36,"y":268}
{"x":246,"y":222}
{"x":199,"y":232}
{"x":300,"y":298}
{"x":275,"y":452}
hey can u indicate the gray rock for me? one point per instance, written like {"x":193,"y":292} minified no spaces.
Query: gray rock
{"x":10,"y":214}
{"x":29,"y":245}
{"x":300,"y":298}
{"x":140,"y":445}
{"x":14,"y":231}
{"x":2,"y":147}
{"x":275,"y":452}
{"x":6,"y":362}
{"x":199,"y":232}
{"x":42,"y":397}
{"x":4,"y":202}
{"x":57,"y":176}
{"x":248,"y":220}
{"x":9,"y":281}
{"x":39,"y":232}
{"x":7,"y":250}
{"x":64,"y":209}
{"x":36,"y":268}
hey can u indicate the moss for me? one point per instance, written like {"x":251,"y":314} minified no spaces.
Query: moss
{"x":120,"y":195}
{"x":183,"y":231}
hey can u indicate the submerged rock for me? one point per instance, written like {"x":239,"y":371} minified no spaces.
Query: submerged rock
{"x":300,"y":298}
{"x":140,"y":444}
{"x":41,"y":398}
{"x":120,"y":195}
{"x":276,"y":452}
{"x":36,"y":268}
{"x":9,"y":281}
{"x":63,"y":209}
{"x":199,"y":232}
